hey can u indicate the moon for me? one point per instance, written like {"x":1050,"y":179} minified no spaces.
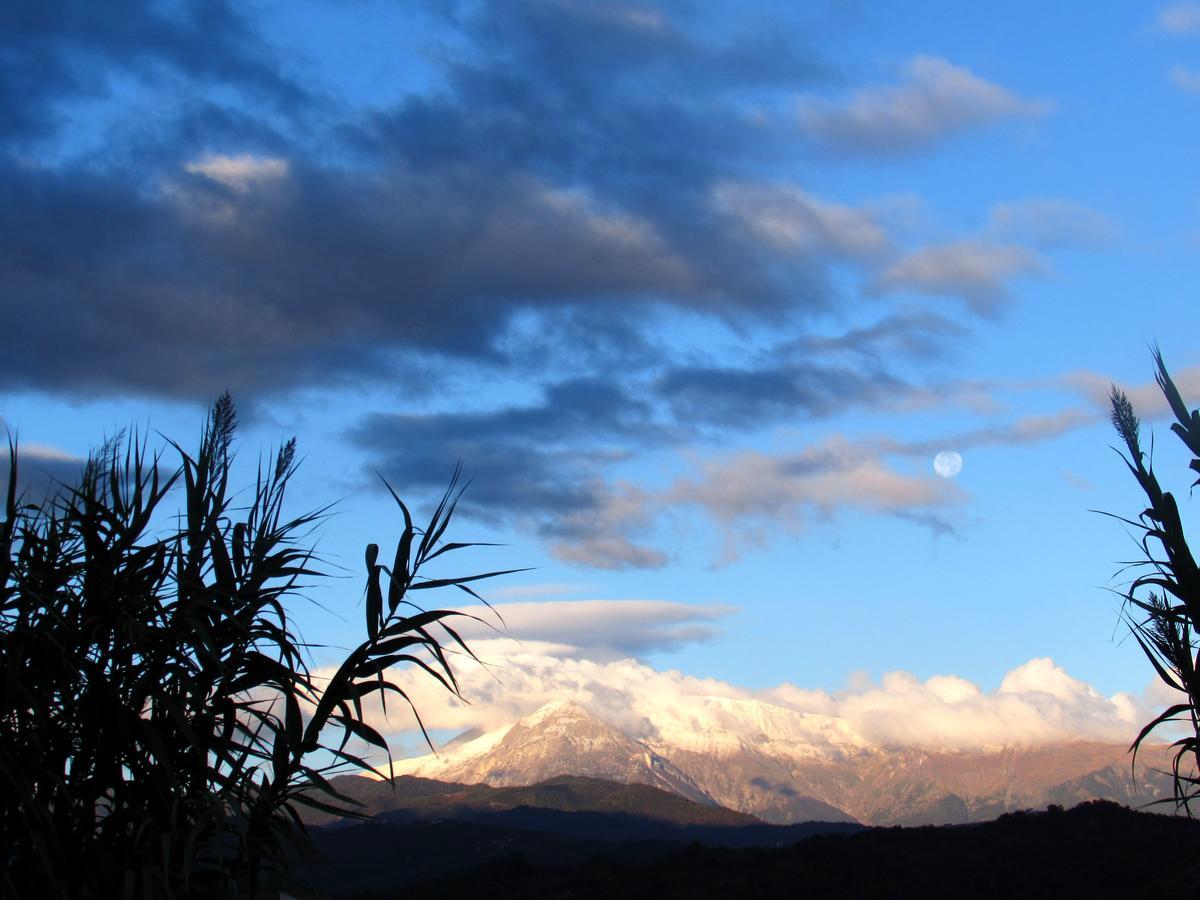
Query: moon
{"x":947,"y":464}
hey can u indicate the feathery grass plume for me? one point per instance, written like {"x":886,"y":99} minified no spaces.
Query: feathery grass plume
{"x":1162,"y":605}
{"x":159,"y":726}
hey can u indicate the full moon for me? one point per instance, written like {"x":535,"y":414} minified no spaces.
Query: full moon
{"x":947,"y":464}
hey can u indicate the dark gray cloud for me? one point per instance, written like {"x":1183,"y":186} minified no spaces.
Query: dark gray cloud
{"x":809,"y":377}
{"x":547,"y":465}
{"x":733,"y":397}
{"x":57,"y":51}
{"x":540,"y":465}
{"x":579,"y":178}
{"x":596,"y":420}
{"x":539,"y":459}
{"x":300,"y":277}
{"x":589,"y":43}
{"x":564,"y":165}
{"x":919,"y":335}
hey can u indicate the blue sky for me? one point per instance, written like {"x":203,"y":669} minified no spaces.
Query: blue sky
{"x":695,"y":292}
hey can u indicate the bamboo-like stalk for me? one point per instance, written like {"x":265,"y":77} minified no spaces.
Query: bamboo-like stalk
{"x":1162,"y":605}
{"x":159,"y":727}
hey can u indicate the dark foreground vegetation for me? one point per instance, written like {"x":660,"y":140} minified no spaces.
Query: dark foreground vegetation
{"x":160,"y":727}
{"x":1097,"y":849}
{"x":424,"y":829}
{"x":1162,"y":603}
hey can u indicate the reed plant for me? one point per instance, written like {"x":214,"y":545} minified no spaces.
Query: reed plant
{"x":160,"y":725}
{"x":1162,"y":604}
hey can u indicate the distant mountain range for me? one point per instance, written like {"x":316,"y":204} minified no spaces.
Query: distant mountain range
{"x":785,"y":767}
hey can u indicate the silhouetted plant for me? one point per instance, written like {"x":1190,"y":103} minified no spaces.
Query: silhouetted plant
{"x":159,"y":725}
{"x":1163,"y":603}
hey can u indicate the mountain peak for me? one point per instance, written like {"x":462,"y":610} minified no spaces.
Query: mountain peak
{"x":557,"y":709}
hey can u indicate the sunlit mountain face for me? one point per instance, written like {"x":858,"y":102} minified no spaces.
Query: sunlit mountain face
{"x":773,"y":774}
{"x":900,"y":750}
{"x":775,"y":342}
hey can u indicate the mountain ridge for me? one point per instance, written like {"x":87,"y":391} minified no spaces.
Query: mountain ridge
{"x":412,"y":798}
{"x":785,"y":767}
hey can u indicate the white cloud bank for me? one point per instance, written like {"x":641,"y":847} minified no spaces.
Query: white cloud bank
{"x":1037,"y":702}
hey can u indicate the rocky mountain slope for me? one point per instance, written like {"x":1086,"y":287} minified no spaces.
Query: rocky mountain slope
{"x":411,"y":798}
{"x":783,"y":766}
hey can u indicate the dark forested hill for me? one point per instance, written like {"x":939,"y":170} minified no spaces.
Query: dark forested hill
{"x":1098,"y":849}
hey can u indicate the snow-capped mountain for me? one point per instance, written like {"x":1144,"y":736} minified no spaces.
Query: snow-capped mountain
{"x":558,"y":739}
{"x":784,"y":766}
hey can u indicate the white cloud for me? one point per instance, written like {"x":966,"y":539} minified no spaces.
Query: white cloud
{"x":599,"y":537}
{"x":33,"y":452}
{"x":1179,"y":18}
{"x":1037,"y":703}
{"x":752,"y":496}
{"x":792,"y":219}
{"x":1051,"y":222}
{"x":976,"y":271}
{"x":41,"y":468}
{"x":238,"y":172}
{"x":934,"y":100}
{"x":239,"y":181}
{"x":826,"y":477}
{"x":1185,"y":79}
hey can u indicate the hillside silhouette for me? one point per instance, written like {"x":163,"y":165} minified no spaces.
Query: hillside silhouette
{"x":427,"y":829}
{"x":1097,"y":849}
{"x":414,"y":798}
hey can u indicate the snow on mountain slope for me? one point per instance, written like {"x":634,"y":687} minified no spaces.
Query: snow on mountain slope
{"x":558,"y":739}
{"x":786,"y":766}
{"x":725,"y":725}
{"x":454,"y":755}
